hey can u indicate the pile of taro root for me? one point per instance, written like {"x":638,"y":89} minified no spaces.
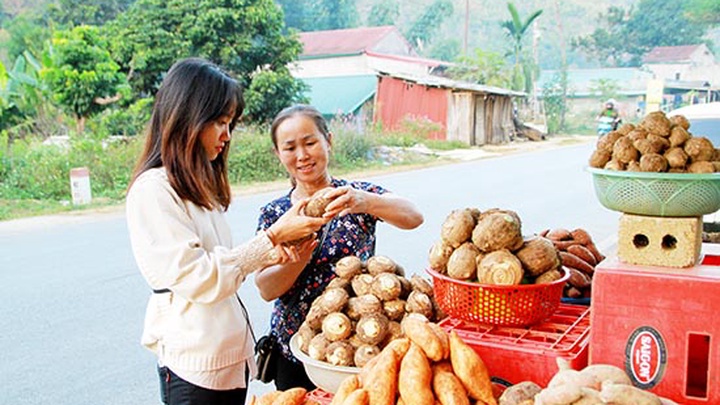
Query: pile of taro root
{"x":359,"y":312}
{"x":657,"y":144}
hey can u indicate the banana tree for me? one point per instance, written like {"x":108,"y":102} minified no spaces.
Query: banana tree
{"x":515,"y":29}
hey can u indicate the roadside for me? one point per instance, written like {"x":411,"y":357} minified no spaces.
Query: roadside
{"x":444,"y":158}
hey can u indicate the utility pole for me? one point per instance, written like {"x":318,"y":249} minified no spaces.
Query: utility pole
{"x":467,"y":27}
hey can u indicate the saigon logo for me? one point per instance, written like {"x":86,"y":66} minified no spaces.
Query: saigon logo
{"x":645,"y":357}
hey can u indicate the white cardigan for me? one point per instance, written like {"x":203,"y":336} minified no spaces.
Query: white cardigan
{"x":199,"y":327}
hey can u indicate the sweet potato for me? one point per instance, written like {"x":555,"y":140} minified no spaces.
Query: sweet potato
{"x":422,"y":335}
{"x":471,"y":370}
{"x":559,"y":234}
{"x":578,"y":279}
{"x":583,"y":253}
{"x":293,"y":396}
{"x":622,"y":394}
{"x":444,"y":338}
{"x":589,"y":397}
{"x":346,"y":387}
{"x":559,"y":395}
{"x":585,"y":239}
{"x":563,"y":245}
{"x":268,"y":398}
{"x":574,"y":378}
{"x":357,"y":397}
{"x":382,"y":381}
{"x":570,"y":260}
{"x":415,"y":377}
{"x":447,"y":387}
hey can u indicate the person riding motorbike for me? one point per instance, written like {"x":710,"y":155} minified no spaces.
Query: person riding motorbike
{"x":608,"y":119}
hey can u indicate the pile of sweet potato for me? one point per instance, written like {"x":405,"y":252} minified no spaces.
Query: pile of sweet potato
{"x":428,"y":366}
{"x":578,"y":255}
{"x":293,"y":396}
{"x":360,"y":311}
{"x":596,"y":384}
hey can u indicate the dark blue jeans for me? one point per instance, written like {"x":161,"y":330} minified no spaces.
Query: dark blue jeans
{"x":176,"y":391}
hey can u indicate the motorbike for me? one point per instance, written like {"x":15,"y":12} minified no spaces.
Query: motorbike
{"x":607,"y":124}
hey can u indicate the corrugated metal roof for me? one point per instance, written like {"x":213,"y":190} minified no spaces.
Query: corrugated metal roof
{"x":342,"y":94}
{"x":436,"y":81}
{"x":342,"y":42}
{"x":664,"y":54}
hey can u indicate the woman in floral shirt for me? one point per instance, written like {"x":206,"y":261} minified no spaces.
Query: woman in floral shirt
{"x":303,"y":143}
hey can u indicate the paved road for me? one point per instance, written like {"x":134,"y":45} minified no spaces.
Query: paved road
{"x":74,"y":300}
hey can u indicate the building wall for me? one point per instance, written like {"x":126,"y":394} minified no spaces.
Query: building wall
{"x":355,"y":65}
{"x":398,"y":100}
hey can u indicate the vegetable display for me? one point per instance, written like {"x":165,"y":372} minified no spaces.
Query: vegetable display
{"x":579,"y":255}
{"x":360,"y":311}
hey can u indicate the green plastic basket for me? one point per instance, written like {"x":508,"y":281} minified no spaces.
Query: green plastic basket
{"x":658,"y":194}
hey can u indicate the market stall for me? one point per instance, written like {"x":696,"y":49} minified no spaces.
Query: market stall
{"x":513,"y":317}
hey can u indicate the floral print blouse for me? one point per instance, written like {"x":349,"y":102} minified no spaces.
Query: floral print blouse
{"x":352,"y":234}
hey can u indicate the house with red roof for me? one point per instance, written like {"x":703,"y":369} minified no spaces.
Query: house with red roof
{"x":373,"y":74}
{"x":685,"y":63}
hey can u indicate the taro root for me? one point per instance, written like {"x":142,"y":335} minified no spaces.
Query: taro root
{"x":340,"y":353}
{"x":637,"y":133}
{"x":419,"y":303}
{"x":607,"y":141}
{"x":624,"y":151}
{"x":406,"y":287}
{"x":656,"y":123}
{"x":625,"y":129}
{"x":394,"y":309}
{"x":363,"y":305}
{"x":364,"y":354}
{"x":498,"y":231}
{"x":653,"y":162}
{"x":678,"y":136}
{"x":317,"y":204}
{"x":318,"y":347}
{"x":355,"y":341}
{"x":386,"y":286}
{"x":538,"y":255}
{"x":305,"y":335}
{"x":599,"y":158}
{"x":421,"y":284}
{"x":315,"y":316}
{"x":645,"y":146}
{"x":399,"y":270}
{"x":676,"y":157}
{"x":701,"y":167}
{"x":348,"y":267}
{"x":716,"y":155}
{"x":677,"y":170}
{"x":549,"y":276}
{"x":439,"y":255}
{"x":336,"y":326}
{"x":333,"y":299}
{"x":633,"y":166}
{"x":680,"y":121}
{"x":371,"y":328}
{"x":699,"y":149}
{"x":614,"y":165}
{"x":461,"y":265}
{"x":339,"y":282}
{"x":380,"y":264}
{"x":361,"y":284}
{"x":457,"y":227}
{"x":394,"y":331}
{"x":500,"y":267}
{"x":659,"y":143}
{"x":500,"y":211}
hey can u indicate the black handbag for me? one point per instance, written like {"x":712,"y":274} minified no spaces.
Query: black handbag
{"x":266,"y":352}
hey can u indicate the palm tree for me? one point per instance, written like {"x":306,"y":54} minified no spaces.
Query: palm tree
{"x":516,"y":29}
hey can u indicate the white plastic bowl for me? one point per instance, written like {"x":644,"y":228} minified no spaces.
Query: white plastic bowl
{"x":323,"y":375}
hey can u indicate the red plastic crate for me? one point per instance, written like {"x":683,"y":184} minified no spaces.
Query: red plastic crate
{"x":659,"y":324}
{"x":320,"y":396}
{"x":516,"y":354}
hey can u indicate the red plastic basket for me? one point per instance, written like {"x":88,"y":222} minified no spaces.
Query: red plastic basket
{"x":516,"y":305}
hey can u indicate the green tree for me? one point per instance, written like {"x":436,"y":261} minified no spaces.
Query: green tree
{"x":20,"y":93}
{"x":270,"y":92}
{"x":486,"y":67}
{"x":628,"y":35}
{"x":89,"y":12}
{"x":515,"y":29}
{"x":83,"y":77}
{"x":383,"y":12}
{"x":554,"y":95}
{"x":606,"y":43}
{"x":26,"y":33}
{"x":243,"y":36}
{"x":425,"y":28}
{"x":704,"y":11}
